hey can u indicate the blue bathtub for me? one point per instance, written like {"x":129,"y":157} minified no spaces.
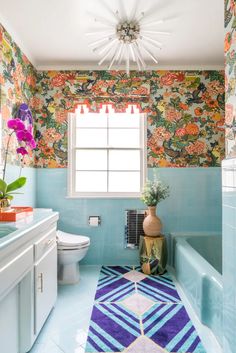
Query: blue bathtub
{"x":198,"y":265}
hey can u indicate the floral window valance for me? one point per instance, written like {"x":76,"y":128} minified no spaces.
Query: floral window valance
{"x":119,"y":105}
{"x":107,"y":108}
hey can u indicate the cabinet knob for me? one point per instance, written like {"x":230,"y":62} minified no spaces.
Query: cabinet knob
{"x":50,"y":241}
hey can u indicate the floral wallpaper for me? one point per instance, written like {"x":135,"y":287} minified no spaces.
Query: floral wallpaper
{"x":185,"y":112}
{"x":17,"y":85}
{"x":185,"y":109}
{"x":230,"y":77}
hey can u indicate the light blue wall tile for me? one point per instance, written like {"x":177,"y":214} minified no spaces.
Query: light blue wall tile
{"x":28,"y":196}
{"x":194,"y":205}
{"x":195,"y":200}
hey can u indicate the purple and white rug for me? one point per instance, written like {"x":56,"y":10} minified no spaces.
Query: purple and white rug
{"x":137,"y":313}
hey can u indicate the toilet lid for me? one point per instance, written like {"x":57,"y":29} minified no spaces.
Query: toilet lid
{"x":71,"y":240}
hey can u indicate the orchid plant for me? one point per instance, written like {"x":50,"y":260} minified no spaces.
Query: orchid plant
{"x":22,"y":127}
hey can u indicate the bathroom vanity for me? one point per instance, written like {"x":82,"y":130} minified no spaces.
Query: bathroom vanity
{"x":28,"y":278}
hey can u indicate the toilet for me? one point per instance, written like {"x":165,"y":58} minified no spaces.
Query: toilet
{"x":71,"y":249}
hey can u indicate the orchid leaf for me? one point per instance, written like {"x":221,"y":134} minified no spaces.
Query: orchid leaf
{"x":9,"y":197}
{"x":3,"y":186}
{"x":13,"y":193}
{"x":17,"y":184}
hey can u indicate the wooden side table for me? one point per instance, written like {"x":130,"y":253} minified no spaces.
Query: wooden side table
{"x":153,"y":254}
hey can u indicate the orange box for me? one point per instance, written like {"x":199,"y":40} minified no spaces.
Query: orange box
{"x":16,"y":212}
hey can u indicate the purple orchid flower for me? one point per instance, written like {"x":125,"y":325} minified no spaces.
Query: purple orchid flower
{"x":15,"y":124}
{"x":22,"y":151}
{"x":32,"y":143}
{"x":24,"y":135}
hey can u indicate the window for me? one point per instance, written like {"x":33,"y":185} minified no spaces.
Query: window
{"x":107,"y":153}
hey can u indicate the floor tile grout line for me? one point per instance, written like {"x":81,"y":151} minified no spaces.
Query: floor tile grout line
{"x":61,"y":349}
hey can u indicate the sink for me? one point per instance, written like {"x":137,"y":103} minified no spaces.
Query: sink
{"x":5,"y":230}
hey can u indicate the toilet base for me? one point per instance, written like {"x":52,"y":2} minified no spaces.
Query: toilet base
{"x":68,"y":274}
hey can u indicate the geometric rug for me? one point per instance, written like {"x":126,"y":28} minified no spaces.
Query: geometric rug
{"x":138,"y":313}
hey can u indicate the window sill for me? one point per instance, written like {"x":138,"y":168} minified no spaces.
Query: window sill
{"x":111,"y":196}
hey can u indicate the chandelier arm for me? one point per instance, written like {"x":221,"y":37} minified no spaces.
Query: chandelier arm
{"x":109,"y":38}
{"x":122,"y":10}
{"x":108,"y":45}
{"x":141,"y":45}
{"x":105,"y":56}
{"x":117,"y":15}
{"x":127,"y":60}
{"x":139,"y":55}
{"x":100,"y":33}
{"x":132,"y":51}
{"x":115,"y":56}
{"x":134,"y":11}
{"x":152,"y":40}
{"x":150,"y":44}
{"x":121,"y":54}
{"x":156,"y":32}
{"x":99,"y":47}
{"x":137,"y":60}
{"x":141,"y":16}
{"x":104,"y":22}
{"x":157,"y":22}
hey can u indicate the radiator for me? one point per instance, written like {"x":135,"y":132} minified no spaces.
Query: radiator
{"x":133,"y":227}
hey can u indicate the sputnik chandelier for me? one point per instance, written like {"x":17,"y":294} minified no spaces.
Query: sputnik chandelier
{"x":127,"y":40}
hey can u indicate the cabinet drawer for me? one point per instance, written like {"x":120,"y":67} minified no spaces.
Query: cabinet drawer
{"x":46,"y":242}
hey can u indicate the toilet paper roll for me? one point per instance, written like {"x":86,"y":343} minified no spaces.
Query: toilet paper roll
{"x":94,"y":221}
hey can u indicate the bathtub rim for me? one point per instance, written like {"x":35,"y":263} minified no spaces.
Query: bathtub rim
{"x":206,"y":269}
{"x":183,"y":235}
{"x":206,"y":272}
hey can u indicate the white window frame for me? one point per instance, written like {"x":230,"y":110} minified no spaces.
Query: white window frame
{"x":71,"y":163}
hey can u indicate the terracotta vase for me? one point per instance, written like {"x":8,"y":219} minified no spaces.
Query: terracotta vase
{"x":152,"y":224}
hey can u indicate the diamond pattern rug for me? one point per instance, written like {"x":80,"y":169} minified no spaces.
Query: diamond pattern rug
{"x":137,"y":313}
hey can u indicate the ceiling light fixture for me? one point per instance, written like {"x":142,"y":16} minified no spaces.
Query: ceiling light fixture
{"x":126,"y":41}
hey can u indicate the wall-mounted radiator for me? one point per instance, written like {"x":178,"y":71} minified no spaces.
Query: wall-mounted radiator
{"x":133,"y":227}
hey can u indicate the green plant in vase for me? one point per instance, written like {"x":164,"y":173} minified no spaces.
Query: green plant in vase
{"x":22,"y":128}
{"x":153,"y":193}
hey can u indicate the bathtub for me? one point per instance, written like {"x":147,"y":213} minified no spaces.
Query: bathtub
{"x":198,"y":267}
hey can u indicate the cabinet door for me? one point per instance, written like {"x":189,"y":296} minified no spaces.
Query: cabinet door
{"x":45,"y":287}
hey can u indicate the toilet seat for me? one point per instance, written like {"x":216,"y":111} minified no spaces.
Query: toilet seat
{"x":68,"y":241}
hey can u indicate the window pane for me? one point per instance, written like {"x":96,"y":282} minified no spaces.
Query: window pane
{"x":91,"y":137}
{"x":91,"y":120}
{"x":124,"y":120}
{"x":124,"y":160}
{"x":124,"y":181}
{"x":91,"y":160}
{"x":91,"y":182}
{"x":124,"y":138}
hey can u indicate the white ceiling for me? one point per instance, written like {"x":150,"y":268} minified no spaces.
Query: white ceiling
{"x":52,"y":32}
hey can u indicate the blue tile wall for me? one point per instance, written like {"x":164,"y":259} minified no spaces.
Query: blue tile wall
{"x":229,"y":254}
{"x":28,"y":196}
{"x":194,"y":205}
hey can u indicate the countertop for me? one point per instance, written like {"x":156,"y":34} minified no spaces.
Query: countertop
{"x":29,"y":223}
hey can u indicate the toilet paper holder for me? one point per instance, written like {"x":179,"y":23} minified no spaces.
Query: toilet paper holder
{"x":94,"y":221}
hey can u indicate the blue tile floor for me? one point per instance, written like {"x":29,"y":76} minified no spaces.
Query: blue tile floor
{"x":66,"y":329}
